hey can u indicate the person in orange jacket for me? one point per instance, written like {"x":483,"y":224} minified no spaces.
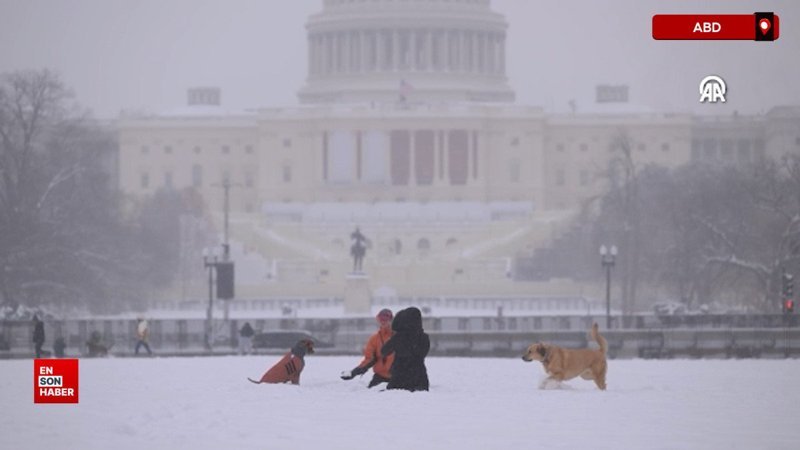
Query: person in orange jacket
{"x":381,"y":365}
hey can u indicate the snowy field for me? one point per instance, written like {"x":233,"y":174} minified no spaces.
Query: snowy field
{"x":206,"y":403}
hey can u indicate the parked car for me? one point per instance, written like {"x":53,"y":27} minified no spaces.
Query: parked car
{"x":285,"y":339}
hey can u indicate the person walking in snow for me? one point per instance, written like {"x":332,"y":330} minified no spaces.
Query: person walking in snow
{"x":142,"y":336}
{"x":246,"y":339}
{"x":38,"y":335}
{"x":380,"y":365}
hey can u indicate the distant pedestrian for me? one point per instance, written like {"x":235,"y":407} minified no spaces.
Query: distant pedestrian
{"x":246,"y":339}
{"x":410,"y":345}
{"x":59,"y":345}
{"x":142,"y":336}
{"x":38,"y":335}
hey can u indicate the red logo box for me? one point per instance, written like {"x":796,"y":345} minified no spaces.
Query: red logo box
{"x":55,"y":381}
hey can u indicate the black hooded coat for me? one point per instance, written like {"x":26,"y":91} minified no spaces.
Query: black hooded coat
{"x":410,"y":345}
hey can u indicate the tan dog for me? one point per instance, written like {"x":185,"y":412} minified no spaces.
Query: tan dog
{"x":565,"y":363}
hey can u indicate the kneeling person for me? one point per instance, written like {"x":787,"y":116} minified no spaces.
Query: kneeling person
{"x":381,"y":365}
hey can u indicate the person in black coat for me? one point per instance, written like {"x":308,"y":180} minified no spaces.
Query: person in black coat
{"x":38,"y":335}
{"x":410,"y":345}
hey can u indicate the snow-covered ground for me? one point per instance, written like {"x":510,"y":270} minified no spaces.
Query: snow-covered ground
{"x":206,"y":403}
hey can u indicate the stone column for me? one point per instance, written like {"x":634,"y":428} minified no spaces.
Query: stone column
{"x":444,"y":53}
{"x":475,"y":52}
{"x":310,"y":55}
{"x":344,"y":45}
{"x":324,"y":54}
{"x":462,"y":46}
{"x":486,"y":57}
{"x":395,"y":50}
{"x":334,"y":53}
{"x":412,"y":144}
{"x":470,"y":162}
{"x":380,"y":46}
{"x":411,"y":56}
{"x":502,"y":55}
{"x":429,"y":51}
{"x":445,"y":156}
{"x":362,"y":63}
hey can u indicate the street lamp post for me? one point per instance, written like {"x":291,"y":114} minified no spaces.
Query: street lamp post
{"x":210,"y":263}
{"x":608,"y":257}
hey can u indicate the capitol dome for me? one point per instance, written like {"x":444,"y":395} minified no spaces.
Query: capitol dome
{"x":407,"y":50}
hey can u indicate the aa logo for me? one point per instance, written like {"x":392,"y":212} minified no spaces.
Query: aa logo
{"x":712,"y":89}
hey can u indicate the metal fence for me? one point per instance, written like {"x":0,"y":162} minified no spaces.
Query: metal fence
{"x":645,"y":336}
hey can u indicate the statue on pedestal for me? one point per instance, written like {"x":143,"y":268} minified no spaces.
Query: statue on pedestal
{"x":358,"y":250}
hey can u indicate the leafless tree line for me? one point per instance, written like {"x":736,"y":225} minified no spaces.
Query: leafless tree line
{"x":67,"y":236}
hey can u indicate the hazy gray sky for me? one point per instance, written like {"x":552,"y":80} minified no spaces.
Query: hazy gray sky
{"x":125,"y":54}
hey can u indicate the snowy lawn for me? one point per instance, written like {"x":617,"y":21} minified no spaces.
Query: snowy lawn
{"x":207,"y":403}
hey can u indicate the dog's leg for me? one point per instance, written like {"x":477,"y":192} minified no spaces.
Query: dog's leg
{"x":600,"y":375}
{"x":587,"y":374}
{"x":543,"y":383}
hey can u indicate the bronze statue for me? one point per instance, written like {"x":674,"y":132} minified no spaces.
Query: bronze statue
{"x":358,"y":250}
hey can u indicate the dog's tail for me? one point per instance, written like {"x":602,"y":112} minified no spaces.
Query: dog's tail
{"x":599,"y":338}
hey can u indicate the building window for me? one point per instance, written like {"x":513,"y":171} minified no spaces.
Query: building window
{"x":287,"y":173}
{"x":197,"y":149}
{"x":457,"y":156}
{"x":168,"y":149}
{"x":145,"y":180}
{"x":515,"y":142}
{"x":559,"y":147}
{"x":248,"y":149}
{"x":248,"y":180}
{"x":665,"y":147}
{"x":398,"y":246}
{"x":287,"y":143}
{"x":424,"y":157}
{"x":197,"y":175}
{"x":641,"y":147}
{"x":341,"y":156}
{"x":560,"y":177}
{"x":226,"y":149}
{"x":248,"y":208}
{"x":584,"y":147}
{"x":168,"y":180}
{"x":400,"y":157}
{"x":145,"y":149}
{"x":375,"y":154}
{"x":226,"y":176}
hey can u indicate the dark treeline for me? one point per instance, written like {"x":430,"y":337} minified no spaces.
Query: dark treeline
{"x":699,"y":234}
{"x":67,"y":235}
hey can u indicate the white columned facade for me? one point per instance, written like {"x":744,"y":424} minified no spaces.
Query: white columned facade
{"x":378,"y":43}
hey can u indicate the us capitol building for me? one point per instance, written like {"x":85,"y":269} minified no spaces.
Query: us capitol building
{"x":407,"y":128}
